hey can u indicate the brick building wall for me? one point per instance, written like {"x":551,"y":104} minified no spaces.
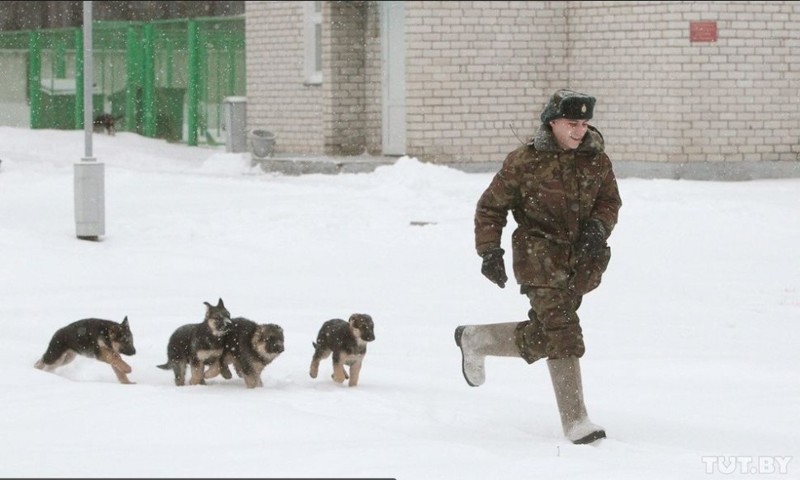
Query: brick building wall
{"x":670,"y":105}
{"x":479,"y":72}
{"x":344,"y":73}
{"x":373,"y":88}
{"x":278,"y":99}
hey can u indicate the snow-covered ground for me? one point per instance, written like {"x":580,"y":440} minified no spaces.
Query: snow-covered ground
{"x":693,"y":339}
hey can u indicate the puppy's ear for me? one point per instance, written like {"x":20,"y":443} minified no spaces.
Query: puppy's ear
{"x":208,"y":305}
{"x":359,"y":316}
{"x":125,"y":322}
{"x":220,"y":304}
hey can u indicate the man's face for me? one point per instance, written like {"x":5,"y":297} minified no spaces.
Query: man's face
{"x":569,"y":133}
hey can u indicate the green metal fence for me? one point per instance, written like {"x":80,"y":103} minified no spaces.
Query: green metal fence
{"x":163,"y":79}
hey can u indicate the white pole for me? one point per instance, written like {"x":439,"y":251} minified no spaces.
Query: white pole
{"x":89,"y":173}
{"x":88,"y":121}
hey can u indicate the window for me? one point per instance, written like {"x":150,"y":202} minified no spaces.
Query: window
{"x":313,"y":40}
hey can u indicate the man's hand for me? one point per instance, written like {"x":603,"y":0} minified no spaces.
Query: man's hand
{"x":592,"y":238}
{"x":493,"y":267}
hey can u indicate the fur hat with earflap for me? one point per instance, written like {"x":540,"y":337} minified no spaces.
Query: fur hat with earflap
{"x":568,"y":104}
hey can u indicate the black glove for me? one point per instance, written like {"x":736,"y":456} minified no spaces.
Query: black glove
{"x":493,"y":267}
{"x":592,"y":238}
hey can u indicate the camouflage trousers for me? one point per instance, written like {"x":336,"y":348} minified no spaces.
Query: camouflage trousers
{"x":553,"y":329}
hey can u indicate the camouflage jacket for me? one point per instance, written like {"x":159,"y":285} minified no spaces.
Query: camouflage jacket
{"x":550,"y":192}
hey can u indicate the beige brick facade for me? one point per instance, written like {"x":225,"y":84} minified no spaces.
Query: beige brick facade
{"x":277,"y":97}
{"x":477,"y":72}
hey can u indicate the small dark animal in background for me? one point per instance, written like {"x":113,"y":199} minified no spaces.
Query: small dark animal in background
{"x":347,"y":340}
{"x":250,"y":347}
{"x":96,"y":338}
{"x":197,"y":344}
{"x":106,"y":122}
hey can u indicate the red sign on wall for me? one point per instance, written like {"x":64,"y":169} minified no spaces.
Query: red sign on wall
{"x":703,"y":31}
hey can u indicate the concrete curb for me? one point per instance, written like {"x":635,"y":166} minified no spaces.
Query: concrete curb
{"x":715,"y":171}
{"x":298,"y":165}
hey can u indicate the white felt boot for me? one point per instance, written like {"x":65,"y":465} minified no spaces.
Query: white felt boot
{"x":566,"y":376}
{"x":478,"y":341}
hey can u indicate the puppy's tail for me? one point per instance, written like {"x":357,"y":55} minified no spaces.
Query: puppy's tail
{"x":165,"y":366}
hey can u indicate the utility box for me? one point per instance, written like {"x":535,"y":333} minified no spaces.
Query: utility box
{"x":235,"y":112}
{"x":90,"y":216}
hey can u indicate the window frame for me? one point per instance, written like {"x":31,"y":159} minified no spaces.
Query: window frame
{"x":313,"y":42}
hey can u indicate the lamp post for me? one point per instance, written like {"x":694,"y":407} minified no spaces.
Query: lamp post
{"x":89,"y":173}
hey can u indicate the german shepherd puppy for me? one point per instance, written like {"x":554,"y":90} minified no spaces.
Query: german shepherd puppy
{"x":106,"y":122}
{"x":197,"y":344}
{"x":250,"y":347}
{"x":347,"y":340}
{"x":96,"y":338}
